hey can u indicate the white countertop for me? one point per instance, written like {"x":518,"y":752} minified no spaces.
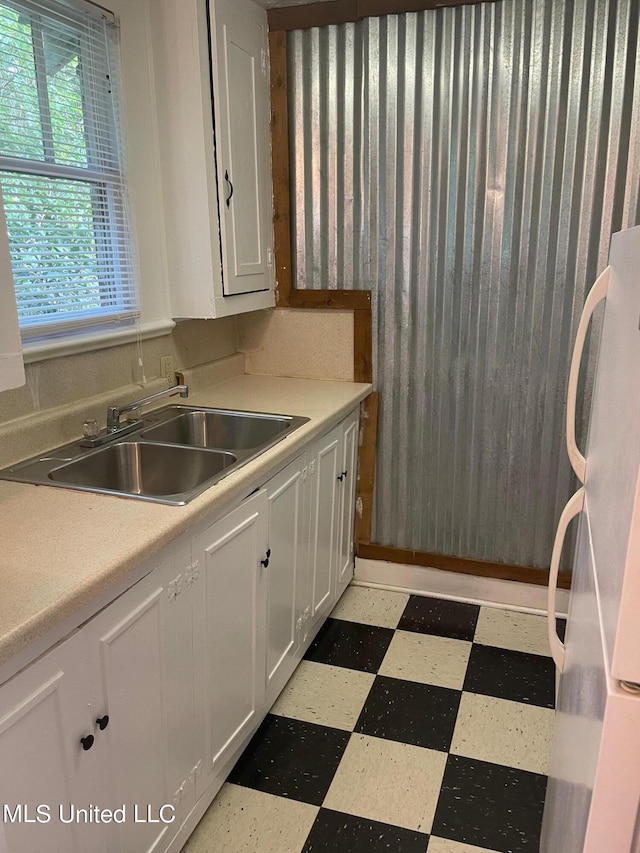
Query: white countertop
{"x":61,"y":549}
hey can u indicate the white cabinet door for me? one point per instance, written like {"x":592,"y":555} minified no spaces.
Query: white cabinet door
{"x":241,"y":109}
{"x":349,"y":475}
{"x":45,"y":711}
{"x":229,"y":631}
{"x":210,"y":62}
{"x":286,"y":571}
{"x":333,"y":475}
{"x":144,"y":642}
{"x":325,"y":469}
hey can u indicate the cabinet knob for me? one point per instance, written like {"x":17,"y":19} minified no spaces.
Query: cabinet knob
{"x":342,"y":476}
{"x":87,"y":742}
{"x":265,"y":562}
{"x":102,"y":722}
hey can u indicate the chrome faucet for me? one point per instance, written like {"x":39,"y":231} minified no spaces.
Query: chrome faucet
{"x":115,"y":429}
{"x":114,"y":412}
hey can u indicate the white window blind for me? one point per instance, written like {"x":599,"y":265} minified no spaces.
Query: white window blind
{"x":61,"y":167}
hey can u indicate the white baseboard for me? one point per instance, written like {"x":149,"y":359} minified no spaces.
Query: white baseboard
{"x":492,"y":592}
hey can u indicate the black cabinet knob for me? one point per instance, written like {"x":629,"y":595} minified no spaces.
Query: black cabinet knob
{"x":265,"y":562}
{"x":87,"y":742}
{"x":102,"y":722}
{"x":341,"y":477}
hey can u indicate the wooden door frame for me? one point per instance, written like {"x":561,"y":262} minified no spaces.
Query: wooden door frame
{"x":287,"y":294}
{"x":358,"y":301}
{"x":348,"y":11}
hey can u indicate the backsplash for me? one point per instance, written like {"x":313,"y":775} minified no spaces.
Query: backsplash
{"x":302,"y":344}
{"x":62,"y":381}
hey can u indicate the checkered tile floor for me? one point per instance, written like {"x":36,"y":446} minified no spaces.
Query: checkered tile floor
{"x":413,"y":725}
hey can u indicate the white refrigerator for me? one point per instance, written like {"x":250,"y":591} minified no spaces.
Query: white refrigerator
{"x":593,"y":794}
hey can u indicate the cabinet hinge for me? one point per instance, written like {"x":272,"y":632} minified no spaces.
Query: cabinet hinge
{"x":174,"y":588}
{"x":312,"y":467}
{"x":179,"y":794}
{"x":263,"y":53}
{"x":305,"y":471}
{"x":305,"y":626}
{"x":269,"y":257}
{"x":192,"y":573}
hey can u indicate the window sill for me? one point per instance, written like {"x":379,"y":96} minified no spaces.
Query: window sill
{"x":94,"y":341}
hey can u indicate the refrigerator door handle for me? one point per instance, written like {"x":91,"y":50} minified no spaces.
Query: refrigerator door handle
{"x":573,"y":507}
{"x":596,"y":295}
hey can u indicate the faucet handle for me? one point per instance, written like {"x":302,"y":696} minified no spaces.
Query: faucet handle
{"x":113,"y":417}
{"x":90,"y":428}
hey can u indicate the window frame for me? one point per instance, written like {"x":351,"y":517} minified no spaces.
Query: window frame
{"x":141,"y":143}
{"x":104,"y":184}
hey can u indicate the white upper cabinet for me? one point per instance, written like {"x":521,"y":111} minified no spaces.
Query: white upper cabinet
{"x":11,"y":367}
{"x":241,"y":101}
{"x":213,"y":110}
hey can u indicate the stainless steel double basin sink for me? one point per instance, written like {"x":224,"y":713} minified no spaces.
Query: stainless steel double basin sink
{"x":176,"y":453}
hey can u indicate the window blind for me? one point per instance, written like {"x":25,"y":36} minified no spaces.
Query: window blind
{"x":61,"y":167}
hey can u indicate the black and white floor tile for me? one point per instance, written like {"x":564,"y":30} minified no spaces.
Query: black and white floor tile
{"x":414,"y":725}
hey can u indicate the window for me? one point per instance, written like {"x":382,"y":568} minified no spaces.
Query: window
{"x":61,"y":167}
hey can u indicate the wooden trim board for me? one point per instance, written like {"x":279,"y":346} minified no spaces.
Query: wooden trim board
{"x":362,"y":346}
{"x":313,"y":15}
{"x":460,"y":565}
{"x":366,"y":467}
{"x":355,"y":300}
{"x":434,"y":583}
{"x":347,"y":11}
{"x":376,"y":8}
{"x":280,"y":166}
{"x":287,"y":295}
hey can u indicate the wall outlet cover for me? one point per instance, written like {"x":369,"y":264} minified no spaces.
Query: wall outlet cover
{"x":166,"y":367}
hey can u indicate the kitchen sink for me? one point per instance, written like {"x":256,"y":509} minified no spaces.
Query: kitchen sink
{"x":147,"y":470}
{"x":174,"y":454}
{"x":229,"y":430}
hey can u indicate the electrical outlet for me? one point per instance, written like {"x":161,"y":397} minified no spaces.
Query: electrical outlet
{"x":166,"y":368}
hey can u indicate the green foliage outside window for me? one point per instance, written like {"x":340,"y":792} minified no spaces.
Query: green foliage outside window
{"x":64,"y":249}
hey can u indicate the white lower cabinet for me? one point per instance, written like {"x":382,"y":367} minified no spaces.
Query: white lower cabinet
{"x":347,"y":481}
{"x":144,"y":644}
{"x":325,"y":468}
{"x":147,"y":706}
{"x":106,"y":720}
{"x":286,"y":574}
{"x":333,"y":469}
{"x":46,"y":713}
{"x":229,"y":631}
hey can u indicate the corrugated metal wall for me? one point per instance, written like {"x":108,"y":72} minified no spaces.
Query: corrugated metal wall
{"x":468,"y":165}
